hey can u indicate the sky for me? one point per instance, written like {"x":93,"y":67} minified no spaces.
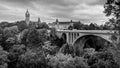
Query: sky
{"x":86,"y":11}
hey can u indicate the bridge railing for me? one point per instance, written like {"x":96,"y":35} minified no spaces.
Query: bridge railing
{"x":88,"y":31}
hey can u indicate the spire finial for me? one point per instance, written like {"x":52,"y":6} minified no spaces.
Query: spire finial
{"x":56,"y":20}
{"x":39,"y":20}
{"x":27,"y":11}
{"x":71,"y":21}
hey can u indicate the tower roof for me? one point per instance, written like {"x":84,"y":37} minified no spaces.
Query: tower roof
{"x":56,"y":20}
{"x":27,"y":13}
{"x":39,"y":20}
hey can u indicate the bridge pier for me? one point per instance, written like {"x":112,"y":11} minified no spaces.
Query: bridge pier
{"x":71,"y":37}
{"x":67,"y":39}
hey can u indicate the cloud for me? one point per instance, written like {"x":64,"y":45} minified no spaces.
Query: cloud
{"x":84,"y":10}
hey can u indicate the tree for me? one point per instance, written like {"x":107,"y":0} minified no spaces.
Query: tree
{"x":43,"y":35}
{"x":67,"y":49}
{"x":9,"y":37}
{"x":10,"y":31}
{"x":43,"y":25}
{"x":53,"y":34}
{"x":14,"y":53}
{"x":66,"y":61}
{"x":112,"y":8}
{"x":21,"y":25}
{"x":3,"y":24}
{"x":32,"y":59}
{"x":23,"y":36}
{"x":55,"y":40}
{"x":70,"y":27}
{"x":6,"y":24}
{"x":93,"y":26}
{"x":77,"y":25}
{"x":3,"y":58}
{"x":102,"y":60}
{"x":1,"y":35}
{"x":34,"y":37}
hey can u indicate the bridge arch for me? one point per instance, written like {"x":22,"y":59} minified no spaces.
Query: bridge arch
{"x":105,"y":37}
{"x":80,"y":42}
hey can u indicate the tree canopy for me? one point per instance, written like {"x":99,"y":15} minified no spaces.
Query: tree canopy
{"x":112,"y":8}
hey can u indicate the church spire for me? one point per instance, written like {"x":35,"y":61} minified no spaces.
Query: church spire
{"x":56,"y":20}
{"x":27,"y":15}
{"x":39,"y":21}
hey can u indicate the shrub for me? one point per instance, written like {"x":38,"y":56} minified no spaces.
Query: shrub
{"x":3,"y":58}
{"x":32,"y":60}
{"x":66,"y":61}
{"x":67,"y":49}
{"x":50,"y":49}
{"x":33,"y":37}
{"x":14,"y":53}
{"x":102,"y":60}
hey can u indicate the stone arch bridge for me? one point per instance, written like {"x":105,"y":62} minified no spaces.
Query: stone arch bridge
{"x":75,"y":37}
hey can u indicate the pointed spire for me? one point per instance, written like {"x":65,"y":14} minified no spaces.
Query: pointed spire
{"x":27,"y":10}
{"x":71,"y":21}
{"x":56,"y":20}
{"x":39,"y":21}
{"x":27,"y":13}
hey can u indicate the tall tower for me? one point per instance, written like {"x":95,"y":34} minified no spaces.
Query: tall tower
{"x":57,"y":22}
{"x":38,"y":23}
{"x":27,"y":19}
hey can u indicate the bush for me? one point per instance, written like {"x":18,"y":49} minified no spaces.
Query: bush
{"x":14,"y":53}
{"x":102,"y":60}
{"x":33,"y":37}
{"x":1,"y":35}
{"x":67,"y":49}
{"x":32,"y":60}
{"x":3,"y":58}
{"x":10,"y":32}
{"x":48,"y":49}
{"x":66,"y":61}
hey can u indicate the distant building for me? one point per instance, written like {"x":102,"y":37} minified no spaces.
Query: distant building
{"x":30,"y":23}
{"x":61,"y":25}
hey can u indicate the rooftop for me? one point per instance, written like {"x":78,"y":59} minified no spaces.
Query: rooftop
{"x":67,"y":22}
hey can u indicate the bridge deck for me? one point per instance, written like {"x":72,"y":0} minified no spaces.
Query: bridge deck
{"x":88,"y":31}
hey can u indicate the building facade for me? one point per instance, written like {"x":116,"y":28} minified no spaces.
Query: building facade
{"x":62,"y":25}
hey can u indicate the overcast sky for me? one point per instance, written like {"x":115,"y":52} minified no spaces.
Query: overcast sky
{"x":86,"y":11}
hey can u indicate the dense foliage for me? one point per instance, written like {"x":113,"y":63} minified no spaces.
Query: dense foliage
{"x":3,"y":58}
{"x":66,"y":61}
{"x":43,"y":48}
{"x":112,"y":8}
